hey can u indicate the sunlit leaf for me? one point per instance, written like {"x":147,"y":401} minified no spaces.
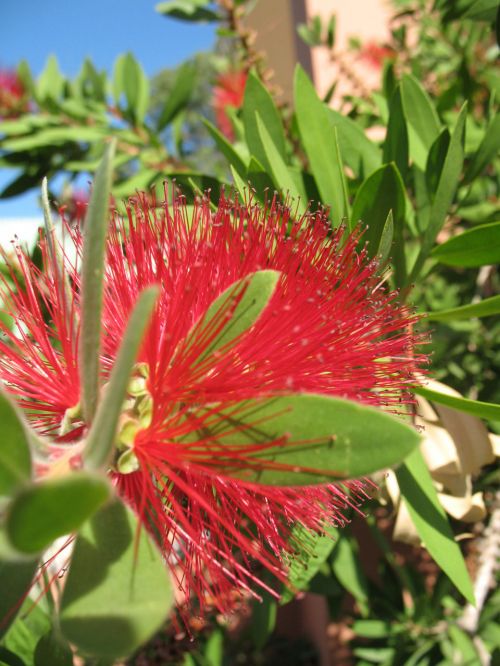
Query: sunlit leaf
{"x":429,"y":518}
{"x":258,"y":99}
{"x":422,"y":119}
{"x":100,"y":440}
{"x":94,"y":240}
{"x":485,"y":308}
{"x":320,"y":144}
{"x":42,"y":512}
{"x":476,"y":247}
{"x":485,"y":410}
{"x":307,"y":439}
{"x":15,"y":456}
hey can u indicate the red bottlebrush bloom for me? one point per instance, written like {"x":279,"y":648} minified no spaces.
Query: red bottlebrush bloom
{"x":228,"y":92}
{"x":12,"y":94}
{"x":74,"y":206}
{"x":330,"y":328}
{"x":375,"y":54}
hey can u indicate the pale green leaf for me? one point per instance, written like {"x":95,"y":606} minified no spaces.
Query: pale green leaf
{"x":429,"y":518}
{"x":117,"y":592}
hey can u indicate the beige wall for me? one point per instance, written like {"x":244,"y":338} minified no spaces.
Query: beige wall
{"x":366,"y":19}
{"x":274,"y":22}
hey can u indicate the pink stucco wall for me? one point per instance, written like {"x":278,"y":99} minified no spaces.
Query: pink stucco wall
{"x":366,"y":19}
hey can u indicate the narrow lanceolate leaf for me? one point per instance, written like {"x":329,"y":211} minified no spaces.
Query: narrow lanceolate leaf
{"x":239,"y":183}
{"x":485,"y":308}
{"x":54,"y":249}
{"x":479,"y":246}
{"x":94,"y":243}
{"x":386,"y":238}
{"x":321,"y":147}
{"x":485,"y":410}
{"x":445,"y":192}
{"x":423,"y":121}
{"x":396,"y":140}
{"x":258,"y":99}
{"x":300,"y":439}
{"x":347,"y":567}
{"x":179,"y":95}
{"x":226,"y":149}
{"x":381,"y":193}
{"x":45,"y":511}
{"x":429,"y":518}
{"x":117,"y":592}
{"x":100,"y":440}
{"x":233,"y":312}
{"x":313,"y":549}
{"x":487,"y":151}
{"x":15,"y":580}
{"x":15,"y":455}
{"x":283,"y":177}
{"x":136,"y":87}
{"x":358,"y":152}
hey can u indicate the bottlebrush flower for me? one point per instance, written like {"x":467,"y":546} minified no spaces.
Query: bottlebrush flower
{"x":330,"y":327}
{"x":375,"y":54}
{"x":12,"y":94}
{"x":228,"y":92}
{"x":74,"y":206}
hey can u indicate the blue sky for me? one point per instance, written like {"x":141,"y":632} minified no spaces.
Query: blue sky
{"x":100,"y":29}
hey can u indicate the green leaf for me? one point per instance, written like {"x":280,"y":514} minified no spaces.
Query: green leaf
{"x":51,"y":82}
{"x":448,"y":183}
{"x":226,"y":149}
{"x":117,"y":593}
{"x":94,"y":245}
{"x":487,"y":151}
{"x":239,"y":183}
{"x":396,"y":139}
{"x":263,"y":620}
{"x":476,"y":247}
{"x":435,"y":162}
{"x":282,"y":176}
{"x":8,"y":658}
{"x":136,"y":88}
{"x":313,"y":549}
{"x":385,"y":243}
{"x":180,"y":94}
{"x":423,"y":121}
{"x":372,"y":628}
{"x":234,"y":312}
{"x":45,"y":511}
{"x":118,"y":83}
{"x":321,"y":147}
{"x":31,"y":624}
{"x":429,"y":518}
{"x":258,"y":99}
{"x":15,"y":456}
{"x":346,"y":566}
{"x":358,"y":152}
{"x":52,"y":136}
{"x":100,"y":440}
{"x":485,"y":410}
{"x":310,"y":439}
{"x":380,"y":194}
{"x":15,"y":581}
{"x":464,"y":649}
{"x":482,"y":10}
{"x":484,"y":308}
{"x":140,"y":180}
{"x":52,"y":649}
{"x":188,"y":10}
